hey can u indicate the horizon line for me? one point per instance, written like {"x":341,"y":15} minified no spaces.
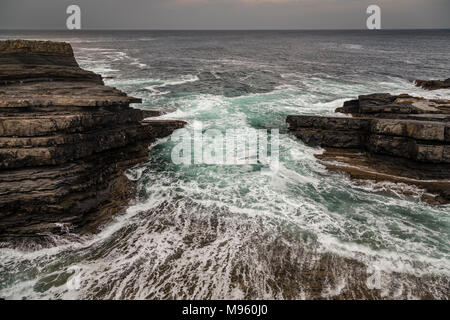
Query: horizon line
{"x":303,"y":29}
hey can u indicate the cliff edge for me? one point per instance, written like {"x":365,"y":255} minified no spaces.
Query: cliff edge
{"x":395,"y":138}
{"x":65,"y":141}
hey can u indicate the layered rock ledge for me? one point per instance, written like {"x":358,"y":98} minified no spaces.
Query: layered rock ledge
{"x":433,"y":84}
{"x":65,"y":141}
{"x":401,"y":139}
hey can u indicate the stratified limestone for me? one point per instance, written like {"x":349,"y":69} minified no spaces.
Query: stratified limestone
{"x":65,"y":141}
{"x":389,"y":138}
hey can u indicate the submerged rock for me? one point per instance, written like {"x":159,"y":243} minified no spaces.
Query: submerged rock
{"x":401,"y":139}
{"x":65,"y":141}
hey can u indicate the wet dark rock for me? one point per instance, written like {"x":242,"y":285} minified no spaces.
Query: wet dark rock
{"x":433,"y":84}
{"x":388,"y":138}
{"x":65,"y":141}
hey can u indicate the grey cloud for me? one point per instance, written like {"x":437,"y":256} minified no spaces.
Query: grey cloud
{"x":223,"y":14}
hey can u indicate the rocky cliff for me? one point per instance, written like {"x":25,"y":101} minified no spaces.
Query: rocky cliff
{"x":401,"y":139}
{"x":65,"y":141}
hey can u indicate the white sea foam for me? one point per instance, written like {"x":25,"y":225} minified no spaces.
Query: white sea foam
{"x":155,"y":88}
{"x":352,"y":46}
{"x":194,"y":229}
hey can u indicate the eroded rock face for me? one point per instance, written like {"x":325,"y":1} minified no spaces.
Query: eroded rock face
{"x":389,"y":138}
{"x":65,"y":141}
{"x":433,"y":84}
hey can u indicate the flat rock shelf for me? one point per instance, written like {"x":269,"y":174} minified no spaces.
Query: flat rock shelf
{"x":394,"y":138}
{"x":65,"y":141}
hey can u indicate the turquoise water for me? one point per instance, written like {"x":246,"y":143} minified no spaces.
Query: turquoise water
{"x":191,"y":226}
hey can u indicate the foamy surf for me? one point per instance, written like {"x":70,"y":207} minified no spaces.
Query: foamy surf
{"x":230,"y":232}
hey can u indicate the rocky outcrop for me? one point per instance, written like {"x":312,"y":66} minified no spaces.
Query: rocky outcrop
{"x":65,"y":141}
{"x":388,"y":138}
{"x":433,"y":84}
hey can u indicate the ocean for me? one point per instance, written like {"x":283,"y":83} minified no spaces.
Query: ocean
{"x":229,"y":232}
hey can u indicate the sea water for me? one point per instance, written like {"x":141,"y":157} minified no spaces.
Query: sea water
{"x":212,"y":231}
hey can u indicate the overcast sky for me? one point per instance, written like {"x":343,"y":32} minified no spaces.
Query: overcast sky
{"x":224,"y":14}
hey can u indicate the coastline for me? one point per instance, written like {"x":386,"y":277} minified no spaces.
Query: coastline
{"x":290,"y":266}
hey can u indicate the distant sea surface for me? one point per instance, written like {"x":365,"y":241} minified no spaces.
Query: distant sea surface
{"x":205,"y":231}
